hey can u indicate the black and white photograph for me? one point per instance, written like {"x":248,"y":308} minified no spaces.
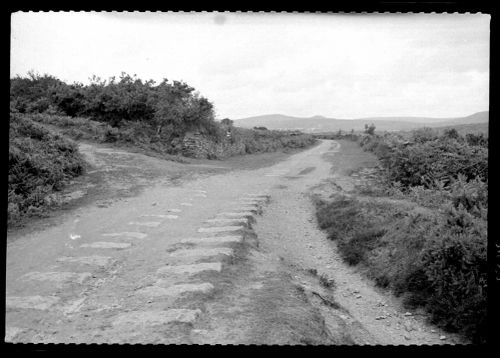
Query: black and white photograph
{"x":248,"y":178}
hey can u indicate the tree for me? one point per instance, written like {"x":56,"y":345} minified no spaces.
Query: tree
{"x":227,"y":122}
{"x":370,"y":129}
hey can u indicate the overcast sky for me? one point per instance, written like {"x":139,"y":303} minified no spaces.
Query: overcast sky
{"x":342,"y":66}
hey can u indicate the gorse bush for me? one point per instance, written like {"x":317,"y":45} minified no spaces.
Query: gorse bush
{"x":145,"y":114}
{"x":429,"y":259}
{"x":39,"y":163}
{"x":170,"y":108}
{"x":257,"y":141}
{"x":428,"y":159}
{"x":435,"y":257}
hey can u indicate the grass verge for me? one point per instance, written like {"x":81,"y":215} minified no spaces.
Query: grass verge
{"x":434,"y":260}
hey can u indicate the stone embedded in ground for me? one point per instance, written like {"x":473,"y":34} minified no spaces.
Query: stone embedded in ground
{"x":146,"y":223}
{"x":96,"y":260}
{"x":59,"y":277}
{"x":107,"y":245}
{"x":254,"y":202}
{"x":190,"y":269}
{"x":31,"y":302}
{"x":212,"y":240}
{"x":134,"y":235}
{"x":186,"y":204}
{"x":158,"y":290}
{"x":145,"y":319}
{"x":202,"y":252}
{"x":243,"y":208}
{"x":220,"y":229}
{"x":11,"y":333}
{"x":235,"y":214}
{"x":228,"y":221}
{"x":174,"y":210}
{"x":181,"y":288}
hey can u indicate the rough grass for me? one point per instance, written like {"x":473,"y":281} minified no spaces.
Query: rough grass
{"x":131,"y":135}
{"x":39,"y":164}
{"x":429,"y":259}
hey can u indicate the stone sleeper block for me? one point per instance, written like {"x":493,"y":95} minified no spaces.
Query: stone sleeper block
{"x":220,"y":228}
{"x":202,"y":252}
{"x":107,"y":245}
{"x":31,"y":302}
{"x":228,"y":221}
{"x":181,"y":288}
{"x":146,"y":223}
{"x":175,"y":290}
{"x":236,"y":214}
{"x":212,"y":240}
{"x":146,"y":319}
{"x":87,"y":260}
{"x":190,"y":269}
{"x":134,"y":235}
{"x":57,"y":276}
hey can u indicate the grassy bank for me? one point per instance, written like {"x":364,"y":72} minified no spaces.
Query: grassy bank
{"x":422,"y":232}
{"x":40,"y":163}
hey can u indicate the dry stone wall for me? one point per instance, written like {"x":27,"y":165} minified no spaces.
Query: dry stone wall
{"x":195,"y":145}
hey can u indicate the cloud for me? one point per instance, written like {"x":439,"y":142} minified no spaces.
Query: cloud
{"x":298,"y":64}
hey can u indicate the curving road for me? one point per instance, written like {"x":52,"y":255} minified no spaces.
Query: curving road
{"x":217,"y":259}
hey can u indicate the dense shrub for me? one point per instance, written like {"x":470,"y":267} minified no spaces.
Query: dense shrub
{"x":429,"y":160}
{"x":258,"y":141}
{"x":172,"y":109}
{"x":434,"y":258}
{"x":429,"y":259}
{"x":39,"y":163}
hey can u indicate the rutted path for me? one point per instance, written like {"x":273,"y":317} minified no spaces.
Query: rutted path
{"x":179,"y":265}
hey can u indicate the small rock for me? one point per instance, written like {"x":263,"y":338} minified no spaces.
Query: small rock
{"x":407,"y":337}
{"x":408,"y":314}
{"x":442,"y":338}
{"x":153,"y":204}
{"x":358,"y":296}
{"x":355,"y":291}
{"x":408,"y":327}
{"x":380,"y":317}
{"x":433,"y":331}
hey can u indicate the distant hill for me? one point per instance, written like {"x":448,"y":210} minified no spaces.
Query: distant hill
{"x":324,"y":124}
{"x":463,"y":129}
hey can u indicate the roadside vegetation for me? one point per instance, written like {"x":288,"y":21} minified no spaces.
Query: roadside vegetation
{"x":40,"y":163}
{"x":431,"y":250}
{"x":153,"y":118}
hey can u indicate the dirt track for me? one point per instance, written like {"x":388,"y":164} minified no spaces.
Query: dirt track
{"x":218,"y":256}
